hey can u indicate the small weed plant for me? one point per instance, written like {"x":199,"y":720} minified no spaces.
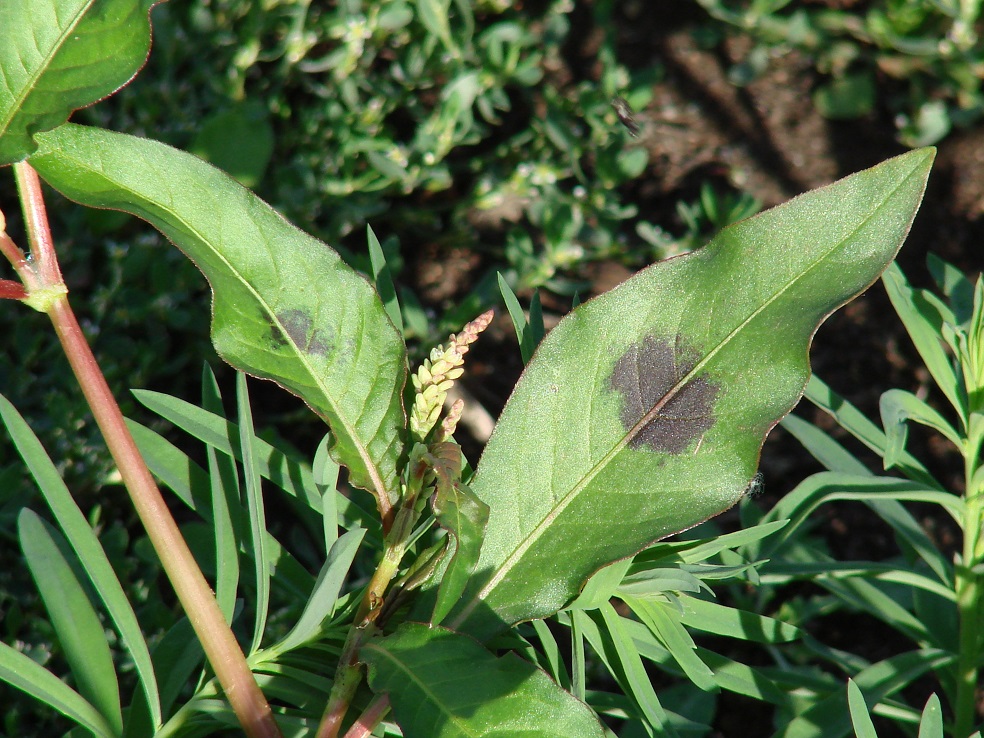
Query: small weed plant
{"x":412,"y":594}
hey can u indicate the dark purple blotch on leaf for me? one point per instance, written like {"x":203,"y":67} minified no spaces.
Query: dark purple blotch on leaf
{"x":661,"y":415}
{"x":299,"y":329}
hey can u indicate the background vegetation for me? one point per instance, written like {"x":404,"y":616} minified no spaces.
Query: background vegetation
{"x":479,"y":138}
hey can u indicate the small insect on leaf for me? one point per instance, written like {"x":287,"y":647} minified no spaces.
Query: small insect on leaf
{"x":625,"y":115}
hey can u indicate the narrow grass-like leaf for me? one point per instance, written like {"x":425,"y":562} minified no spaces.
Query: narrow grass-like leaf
{"x":60,"y":55}
{"x":524,"y":332}
{"x":954,"y":284}
{"x":635,"y":680}
{"x":783,"y":572}
{"x":224,"y":481}
{"x":828,"y":486}
{"x":897,"y":407}
{"x":257,"y":514}
{"x":87,"y":547}
{"x":285,"y":306}
{"x":191,"y":485}
{"x":325,"y":473}
{"x":76,"y":624}
{"x":829,"y":717}
{"x":291,"y":476}
{"x":25,"y":674}
{"x":644,"y":411}
{"x":923,"y":318}
{"x":863,"y":727}
{"x":176,"y":657}
{"x":858,"y":425}
{"x":551,"y":653}
{"x":743,"y":679}
{"x":445,"y":685}
{"x":383,"y":279}
{"x":323,"y":597}
{"x":666,"y":626}
{"x":711,"y":617}
{"x":602,"y":585}
{"x":578,"y":672}
{"x":824,"y":448}
{"x":881,"y":602}
{"x":693,"y":552}
{"x":931,"y":722}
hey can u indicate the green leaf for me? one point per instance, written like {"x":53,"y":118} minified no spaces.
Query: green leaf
{"x":292,"y":476}
{"x":177,"y":655}
{"x":711,"y":617}
{"x":634,"y":680}
{"x":191,"y":484}
{"x":76,"y":623}
{"x":383,"y":278}
{"x":924,"y":317}
{"x":644,"y":411}
{"x":285,"y":306}
{"x":664,"y":622}
{"x":863,"y":727}
{"x":828,"y":717}
{"x":524,"y":333}
{"x":325,"y":593}
{"x":931,"y":722}
{"x":858,"y":425}
{"x":87,"y":547}
{"x":225,"y":505}
{"x":60,"y":55}
{"x":22,"y":672}
{"x":823,"y":448}
{"x":257,"y":513}
{"x":464,"y":517}
{"x":445,"y":685}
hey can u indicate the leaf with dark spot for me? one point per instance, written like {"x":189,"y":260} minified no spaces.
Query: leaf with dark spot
{"x":299,"y":328}
{"x":284,"y":304}
{"x":644,"y":411}
{"x":663,"y":407}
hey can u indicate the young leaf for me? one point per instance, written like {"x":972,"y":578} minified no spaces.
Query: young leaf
{"x":445,"y":685}
{"x":924,"y":316}
{"x":523,"y":327}
{"x":59,"y":55}
{"x":897,"y":407}
{"x":644,"y":411}
{"x":464,"y":516}
{"x":383,"y":278}
{"x":285,"y":306}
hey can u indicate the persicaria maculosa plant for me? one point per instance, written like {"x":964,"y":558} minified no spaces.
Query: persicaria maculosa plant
{"x":641,"y":414}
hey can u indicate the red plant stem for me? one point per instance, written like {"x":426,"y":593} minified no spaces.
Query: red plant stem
{"x":349,"y":672}
{"x":369,"y":718}
{"x":15,"y":256}
{"x":194,"y":593}
{"x":38,"y":232}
